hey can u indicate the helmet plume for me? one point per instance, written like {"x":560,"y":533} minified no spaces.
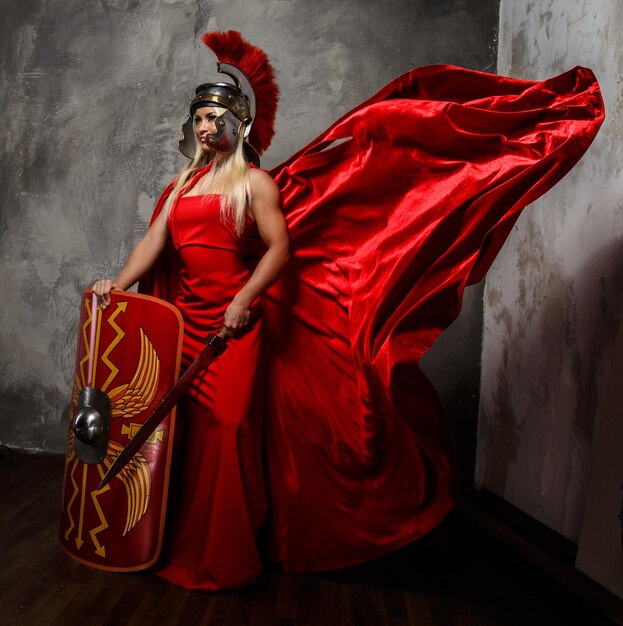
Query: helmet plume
{"x":230,"y":47}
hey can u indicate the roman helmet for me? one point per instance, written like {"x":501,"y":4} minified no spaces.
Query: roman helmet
{"x":250,"y":101}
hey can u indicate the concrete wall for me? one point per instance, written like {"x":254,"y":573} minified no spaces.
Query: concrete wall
{"x":554,"y":296}
{"x":93,"y":94}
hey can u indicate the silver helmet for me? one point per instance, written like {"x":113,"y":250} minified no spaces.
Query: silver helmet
{"x":233,"y":125}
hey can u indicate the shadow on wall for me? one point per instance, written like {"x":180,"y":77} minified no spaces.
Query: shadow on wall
{"x":455,"y":373}
{"x":537,"y":422}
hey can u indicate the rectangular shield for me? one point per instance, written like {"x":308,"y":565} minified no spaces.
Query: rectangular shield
{"x":128,"y":357}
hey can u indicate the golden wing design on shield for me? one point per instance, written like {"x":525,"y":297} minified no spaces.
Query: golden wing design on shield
{"x":134,"y":397}
{"x":136,"y":479}
{"x":128,"y":400}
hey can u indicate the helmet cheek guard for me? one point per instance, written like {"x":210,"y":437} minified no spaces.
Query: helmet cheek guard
{"x":228,"y":131}
{"x":187,"y":144}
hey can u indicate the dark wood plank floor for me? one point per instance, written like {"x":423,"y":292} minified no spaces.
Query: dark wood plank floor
{"x":451,"y":577}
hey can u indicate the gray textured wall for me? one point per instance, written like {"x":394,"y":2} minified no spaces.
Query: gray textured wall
{"x":554,"y":296}
{"x":93,"y":94}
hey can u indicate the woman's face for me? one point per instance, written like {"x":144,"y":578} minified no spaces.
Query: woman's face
{"x":204,"y":120}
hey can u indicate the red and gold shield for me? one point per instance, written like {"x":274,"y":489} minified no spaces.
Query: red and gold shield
{"x":130,"y":352}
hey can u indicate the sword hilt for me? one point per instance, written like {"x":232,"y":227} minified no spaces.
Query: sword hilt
{"x":215,"y":346}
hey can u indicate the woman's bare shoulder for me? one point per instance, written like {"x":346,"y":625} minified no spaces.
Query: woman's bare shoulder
{"x":262,"y":182}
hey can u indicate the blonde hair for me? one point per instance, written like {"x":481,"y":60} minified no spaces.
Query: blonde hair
{"x":229,"y":178}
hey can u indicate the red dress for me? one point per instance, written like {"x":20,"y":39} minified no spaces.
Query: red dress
{"x":387,"y":228}
{"x":219,"y":500}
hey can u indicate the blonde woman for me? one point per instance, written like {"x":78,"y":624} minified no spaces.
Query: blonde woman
{"x":218,"y":500}
{"x":359,"y":457}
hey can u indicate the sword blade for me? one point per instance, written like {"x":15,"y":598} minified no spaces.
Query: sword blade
{"x":215,"y":346}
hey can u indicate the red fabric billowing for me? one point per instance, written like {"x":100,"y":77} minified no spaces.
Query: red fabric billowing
{"x":387,"y":228}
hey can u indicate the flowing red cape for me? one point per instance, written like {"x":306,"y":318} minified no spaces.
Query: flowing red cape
{"x":392,"y":211}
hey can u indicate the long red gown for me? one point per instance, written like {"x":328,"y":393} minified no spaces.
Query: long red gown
{"x":387,"y":227}
{"x":219,"y":501}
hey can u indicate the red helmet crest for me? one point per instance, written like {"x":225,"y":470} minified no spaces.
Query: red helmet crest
{"x":231,"y":48}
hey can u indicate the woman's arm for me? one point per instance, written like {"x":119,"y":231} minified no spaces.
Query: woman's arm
{"x":271,"y":225}
{"x":145,"y":253}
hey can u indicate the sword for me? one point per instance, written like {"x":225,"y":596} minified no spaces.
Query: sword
{"x":215,"y":346}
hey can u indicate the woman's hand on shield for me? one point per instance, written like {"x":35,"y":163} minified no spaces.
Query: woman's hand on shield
{"x":102,"y":289}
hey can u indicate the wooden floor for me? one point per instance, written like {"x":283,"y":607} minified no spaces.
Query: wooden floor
{"x":451,"y":577}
